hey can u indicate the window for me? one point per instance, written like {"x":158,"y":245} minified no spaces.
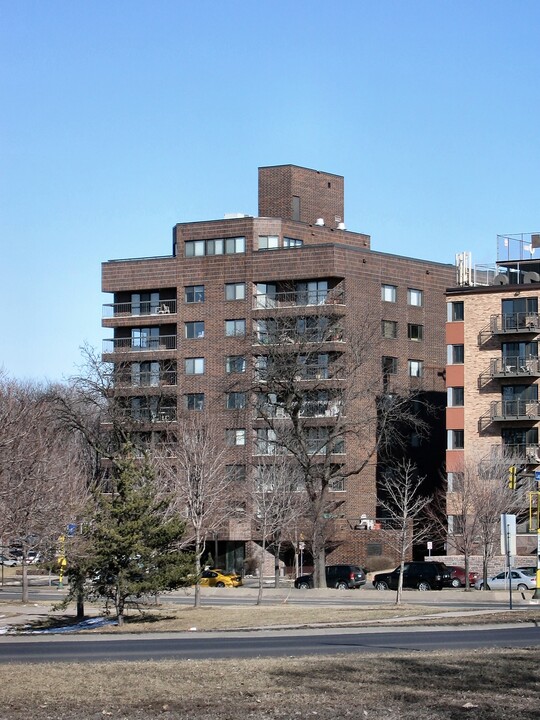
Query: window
{"x":235,"y":364}
{"x":318,"y":441}
{"x":456,"y":439}
{"x":145,"y":303}
{"x":337,"y":484}
{"x":415,"y":332}
{"x":235,"y":400}
{"x":194,"y":293}
{"x":389,"y":365}
{"x":416,"y":368}
{"x":265,"y":443}
{"x":145,"y":373}
{"x":268,"y":242}
{"x":389,"y":329}
{"x":313,"y":292}
{"x":145,"y":338}
{"x":454,"y":481}
{"x":194,"y":401}
{"x":194,"y":366}
{"x":292,"y":242}
{"x":234,"y":246}
{"x":415,"y":297}
{"x":455,"y":354}
{"x":235,"y":473}
{"x":195,"y":248}
{"x":235,"y":436}
{"x":218,"y":246}
{"x":456,"y":524}
{"x":194,"y":330}
{"x":389,"y":293}
{"x":456,"y":396}
{"x":235,"y":291}
{"x":235,"y":328}
{"x":455,"y":311}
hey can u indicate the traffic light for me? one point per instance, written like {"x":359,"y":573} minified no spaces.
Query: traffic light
{"x":512,"y":477}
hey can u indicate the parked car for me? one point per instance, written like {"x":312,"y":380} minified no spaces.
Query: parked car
{"x":528,"y":570}
{"x":416,"y":574}
{"x":520,"y":581}
{"x":32,"y":556}
{"x":458,"y":576}
{"x":8,"y":562}
{"x":217,"y":578}
{"x":341,"y":577}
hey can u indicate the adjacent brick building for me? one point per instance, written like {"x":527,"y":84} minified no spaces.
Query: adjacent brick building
{"x":492,"y":374}
{"x":186,"y":325}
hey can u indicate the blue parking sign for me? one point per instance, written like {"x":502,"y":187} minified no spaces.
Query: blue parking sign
{"x":71,"y":529}
{"x":537,"y":476}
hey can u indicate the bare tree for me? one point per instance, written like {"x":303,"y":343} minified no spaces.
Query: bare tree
{"x":41,"y":483}
{"x":404,"y":505}
{"x":193,"y":472}
{"x":317,"y":388}
{"x":480,"y":494}
{"x":277,"y":501}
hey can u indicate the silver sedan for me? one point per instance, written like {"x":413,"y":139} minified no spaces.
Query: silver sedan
{"x":520,"y":581}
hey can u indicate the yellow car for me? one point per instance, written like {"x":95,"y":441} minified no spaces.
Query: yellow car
{"x":217,"y":578}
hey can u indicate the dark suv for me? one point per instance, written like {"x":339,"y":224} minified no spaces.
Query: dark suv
{"x":341,"y":577}
{"x":420,"y":575}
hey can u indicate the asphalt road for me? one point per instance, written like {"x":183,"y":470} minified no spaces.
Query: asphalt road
{"x":257,"y":644}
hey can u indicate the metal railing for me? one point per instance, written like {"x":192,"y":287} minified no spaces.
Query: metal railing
{"x":515,"y":410}
{"x":150,"y":344}
{"x":146,"y":379}
{"x":144,"y":307}
{"x":298,"y":298}
{"x":519,"y":322}
{"x":165,"y":414}
{"x":514,"y":365}
{"x":519,"y":453}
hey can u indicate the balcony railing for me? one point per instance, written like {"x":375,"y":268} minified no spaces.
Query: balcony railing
{"x":298,"y":298}
{"x":128,"y":345}
{"x":146,"y":415}
{"x":526,"y":454}
{"x":514,"y":366}
{"x":146,"y":379}
{"x":511,"y":323}
{"x":144,"y":307}
{"x":515,"y":410}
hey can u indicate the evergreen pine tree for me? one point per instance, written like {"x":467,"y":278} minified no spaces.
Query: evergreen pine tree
{"x":133,"y":548}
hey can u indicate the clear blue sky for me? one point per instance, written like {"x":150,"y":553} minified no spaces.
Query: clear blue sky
{"x":120,"y":118}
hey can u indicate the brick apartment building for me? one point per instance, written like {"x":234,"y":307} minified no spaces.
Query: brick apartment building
{"x":185,"y":326}
{"x":493,"y":370}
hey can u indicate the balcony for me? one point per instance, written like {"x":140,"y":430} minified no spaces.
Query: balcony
{"x":299,"y":298}
{"x":144,"y":307}
{"x":516,"y":410}
{"x":519,"y":454}
{"x":513,"y":366}
{"x":515,"y":323}
{"x":143,"y":379}
{"x":147,"y":415}
{"x":139,"y":345}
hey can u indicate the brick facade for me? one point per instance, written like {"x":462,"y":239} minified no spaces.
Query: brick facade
{"x":341,"y":258}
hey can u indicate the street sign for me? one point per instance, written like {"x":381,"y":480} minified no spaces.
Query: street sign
{"x":71,"y":529}
{"x":537,"y":476}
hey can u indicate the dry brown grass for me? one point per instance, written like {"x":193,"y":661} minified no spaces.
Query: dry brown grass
{"x":170,"y":617}
{"x":479,"y":685}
